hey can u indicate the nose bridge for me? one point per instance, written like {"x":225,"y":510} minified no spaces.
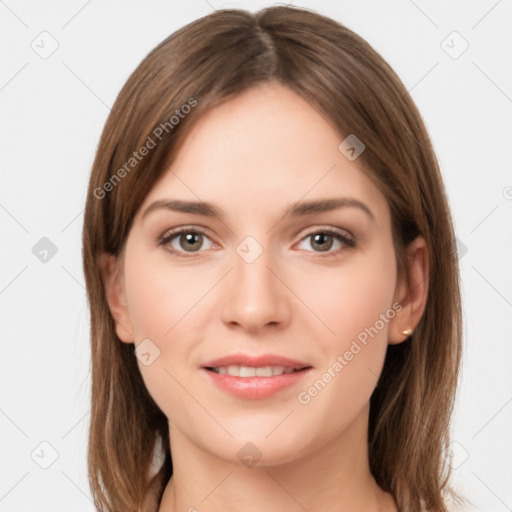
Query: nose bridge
{"x":255,"y":297}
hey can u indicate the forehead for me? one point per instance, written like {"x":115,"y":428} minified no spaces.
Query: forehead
{"x":266,"y":147}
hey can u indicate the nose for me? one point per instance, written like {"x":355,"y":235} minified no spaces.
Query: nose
{"x":255,"y":297}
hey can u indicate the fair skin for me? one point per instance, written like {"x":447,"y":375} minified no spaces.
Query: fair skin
{"x":252,"y":157}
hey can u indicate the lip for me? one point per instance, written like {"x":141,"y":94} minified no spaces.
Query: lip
{"x":256,"y":361}
{"x":252,"y":388}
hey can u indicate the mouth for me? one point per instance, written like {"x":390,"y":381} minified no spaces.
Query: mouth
{"x":250,"y":371}
{"x":258,"y":377}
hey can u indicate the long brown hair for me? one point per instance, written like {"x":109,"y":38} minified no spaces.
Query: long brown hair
{"x":206,"y":63}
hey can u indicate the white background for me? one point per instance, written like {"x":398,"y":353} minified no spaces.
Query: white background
{"x":53,"y":111}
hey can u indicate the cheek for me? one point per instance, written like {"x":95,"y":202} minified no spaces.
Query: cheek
{"x":160,"y":298}
{"x":356,"y":305}
{"x":160,"y":303}
{"x":168,"y":304}
{"x":350,"y":300}
{"x":343,"y":385}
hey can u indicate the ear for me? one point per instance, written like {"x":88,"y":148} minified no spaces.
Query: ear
{"x":412,"y":297}
{"x":116,"y":298}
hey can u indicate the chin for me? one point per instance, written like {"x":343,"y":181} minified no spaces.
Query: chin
{"x":254,"y":448}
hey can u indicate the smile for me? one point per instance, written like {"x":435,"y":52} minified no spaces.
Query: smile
{"x":249,"y":371}
{"x":254,"y":377}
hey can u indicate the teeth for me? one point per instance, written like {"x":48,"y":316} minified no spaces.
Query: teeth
{"x":233,"y":370}
{"x":265,"y":371}
{"x":249,"y":371}
{"x":246,"y":371}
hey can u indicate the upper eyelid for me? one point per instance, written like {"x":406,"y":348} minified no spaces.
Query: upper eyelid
{"x":183,"y":229}
{"x":325,"y":228}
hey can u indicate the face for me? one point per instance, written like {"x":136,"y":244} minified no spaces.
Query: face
{"x":268,"y":322}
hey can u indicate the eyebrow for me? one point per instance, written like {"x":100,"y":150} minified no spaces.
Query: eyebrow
{"x":298,"y":209}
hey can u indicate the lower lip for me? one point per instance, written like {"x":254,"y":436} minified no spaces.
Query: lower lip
{"x":255,"y":387}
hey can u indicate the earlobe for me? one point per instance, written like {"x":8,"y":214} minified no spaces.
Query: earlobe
{"x":412,"y":296}
{"x":114,"y":291}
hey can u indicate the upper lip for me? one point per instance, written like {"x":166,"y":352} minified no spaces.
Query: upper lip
{"x":256,"y":361}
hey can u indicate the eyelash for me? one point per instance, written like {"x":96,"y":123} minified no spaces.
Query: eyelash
{"x":168,"y":236}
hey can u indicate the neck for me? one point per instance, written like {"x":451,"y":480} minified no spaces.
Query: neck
{"x":334,"y":478}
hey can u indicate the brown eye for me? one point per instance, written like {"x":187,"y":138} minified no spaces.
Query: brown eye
{"x":184,"y":240}
{"x":191,"y":241}
{"x":323,"y":241}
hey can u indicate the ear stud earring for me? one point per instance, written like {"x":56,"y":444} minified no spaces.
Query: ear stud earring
{"x":407,"y":332}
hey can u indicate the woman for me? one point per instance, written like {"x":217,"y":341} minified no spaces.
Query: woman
{"x":272,"y":278}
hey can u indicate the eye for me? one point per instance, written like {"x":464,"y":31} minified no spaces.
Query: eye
{"x":184,"y":240}
{"x":322,"y":241}
{"x":181,"y":241}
